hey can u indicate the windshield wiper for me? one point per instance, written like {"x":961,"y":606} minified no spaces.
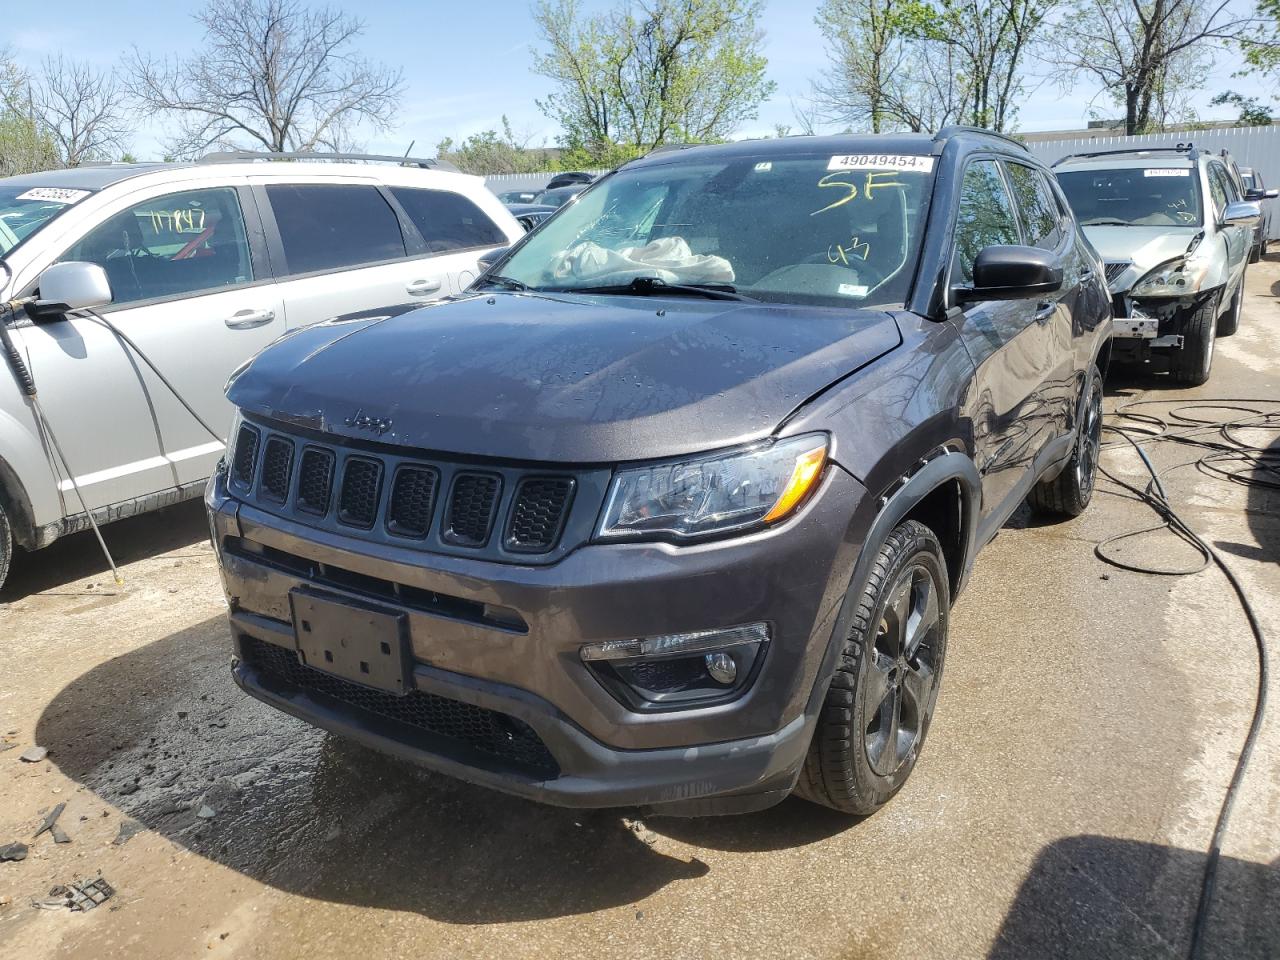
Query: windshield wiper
{"x":656,"y":286}
{"x":506,"y":283}
{"x":1105,"y":222}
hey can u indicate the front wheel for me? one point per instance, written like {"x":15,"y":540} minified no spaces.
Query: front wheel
{"x":1069,"y":493}
{"x":6,"y":546}
{"x":1191,"y":364}
{"x":877,"y":710}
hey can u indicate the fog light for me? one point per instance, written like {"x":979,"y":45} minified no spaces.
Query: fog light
{"x":680,"y":669}
{"x":722,"y":668}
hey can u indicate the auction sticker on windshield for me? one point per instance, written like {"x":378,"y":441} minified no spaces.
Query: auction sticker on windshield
{"x":1166,"y":172}
{"x":54,"y":194}
{"x":882,"y":161}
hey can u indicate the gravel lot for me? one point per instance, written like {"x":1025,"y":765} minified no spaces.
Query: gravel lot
{"x":1088,"y":725}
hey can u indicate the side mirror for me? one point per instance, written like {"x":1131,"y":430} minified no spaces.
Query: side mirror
{"x":71,"y":286}
{"x":1009,"y":272}
{"x":488,"y":259}
{"x":1256,"y":195}
{"x":1242,"y":213}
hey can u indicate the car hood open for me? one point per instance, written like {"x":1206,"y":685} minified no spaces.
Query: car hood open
{"x":565,"y":378}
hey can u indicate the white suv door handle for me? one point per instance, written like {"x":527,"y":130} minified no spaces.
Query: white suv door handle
{"x":420,"y":288}
{"x":248,"y":319}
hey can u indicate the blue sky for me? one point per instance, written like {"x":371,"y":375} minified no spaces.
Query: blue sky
{"x":466,"y":64}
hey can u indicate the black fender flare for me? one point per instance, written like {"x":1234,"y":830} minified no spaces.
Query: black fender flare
{"x":949,"y":464}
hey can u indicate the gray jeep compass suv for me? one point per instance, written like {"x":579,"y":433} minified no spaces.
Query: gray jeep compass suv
{"x":670,"y":508}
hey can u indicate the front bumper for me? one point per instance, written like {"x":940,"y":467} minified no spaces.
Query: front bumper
{"x":516,"y":683}
{"x":1154,"y":322}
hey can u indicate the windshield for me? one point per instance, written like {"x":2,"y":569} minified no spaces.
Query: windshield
{"x":818,"y":230}
{"x":24,"y":210}
{"x":1134,"y":196}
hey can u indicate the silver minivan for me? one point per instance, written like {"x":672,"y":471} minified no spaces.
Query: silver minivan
{"x":182,"y":272}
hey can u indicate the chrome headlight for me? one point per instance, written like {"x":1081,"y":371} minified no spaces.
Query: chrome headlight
{"x":1176,"y":278}
{"x":734,"y":491}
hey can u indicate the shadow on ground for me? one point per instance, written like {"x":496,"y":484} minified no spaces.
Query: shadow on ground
{"x":1090,"y":897}
{"x":78,"y":556}
{"x":162,"y":730}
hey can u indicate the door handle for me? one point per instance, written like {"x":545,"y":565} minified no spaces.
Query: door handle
{"x":421,"y":288}
{"x":1045,"y":310}
{"x":248,"y":319}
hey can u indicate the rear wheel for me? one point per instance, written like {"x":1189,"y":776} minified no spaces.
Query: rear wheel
{"x":877,"y":710}
{"x":6,"y":545}
{"x":1191,"y":364}
{"x":1229,"y":322}
{"x":1069,"y":493}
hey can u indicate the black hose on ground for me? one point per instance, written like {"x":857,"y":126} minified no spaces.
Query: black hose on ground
{"x":1228,"y":450}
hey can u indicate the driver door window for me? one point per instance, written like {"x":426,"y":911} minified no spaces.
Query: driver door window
{"x":171,"y":246}
{"x":985,"y":218}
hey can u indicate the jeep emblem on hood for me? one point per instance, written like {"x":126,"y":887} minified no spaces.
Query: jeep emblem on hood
{"x":362,"y":421}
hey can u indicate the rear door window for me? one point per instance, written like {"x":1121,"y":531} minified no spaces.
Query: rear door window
{"x":448,"y":220}
{"x":1041,"y":218}
{"x":985,"y":217}
{"x":180,"y":243}
{"x":327,"y":226}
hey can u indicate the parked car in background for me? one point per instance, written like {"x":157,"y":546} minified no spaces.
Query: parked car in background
{"x":670,"y":508}
{"x":559,"y":196}
{"x":1255,"y":189}
{"x":529,"y":215}
{"x":518,"y":196}
{"x":568,"y":179}
{"x":1175,"y":233}
{"x":200,"y":265}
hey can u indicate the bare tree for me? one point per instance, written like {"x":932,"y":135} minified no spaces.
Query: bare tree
{"x":272,"y":74}
{"x":1139,"y":51}
{"x":82,"y":110}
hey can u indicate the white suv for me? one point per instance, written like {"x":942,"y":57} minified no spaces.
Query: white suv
{"x":204,"y":264}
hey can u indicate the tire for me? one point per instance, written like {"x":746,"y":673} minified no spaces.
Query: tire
{"x":887,"y":679}
{"x":6,"y":546}
{"x":1255,"y":252}
{"x":1229,"y":322}
{"x":1190,"y":366}
{"x":1069,"y":493}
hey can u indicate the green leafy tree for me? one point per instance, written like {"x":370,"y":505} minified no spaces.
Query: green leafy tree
{"x":1253,"y":112}
{"x":24,"y":146}
{"x":649,"y":72}
{"x":1262,"y":46}
{"x":495,"y":152}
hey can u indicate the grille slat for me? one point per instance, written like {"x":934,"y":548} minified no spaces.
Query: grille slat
{"x":246,"y":456}
{"x":539,"y":512}
{"x":472,"y":504}
{"x":361,"y":490}
{"x":1116,"y":267}
{"x":497,"y":738}
{"x":315,"y":481}
{"x":413,"y":495}
{"x":277,"y":469}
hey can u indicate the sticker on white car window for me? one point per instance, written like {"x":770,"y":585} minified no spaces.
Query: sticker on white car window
{"x":882,"y":161}
{"x":852,"y":289}
{"x":1166,"y":172}
{"x":54,"y":194}
{"x":764,"y":166}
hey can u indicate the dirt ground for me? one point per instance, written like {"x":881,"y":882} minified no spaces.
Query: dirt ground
{"x":1087,"y":728}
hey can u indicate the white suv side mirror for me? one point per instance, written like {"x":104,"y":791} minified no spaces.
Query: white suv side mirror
{"x":72,"y":286}
{"x":1241,"y":213}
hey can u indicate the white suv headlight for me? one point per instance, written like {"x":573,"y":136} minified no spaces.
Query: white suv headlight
{"x":689,"y":498}
{"x":1176,"y":278}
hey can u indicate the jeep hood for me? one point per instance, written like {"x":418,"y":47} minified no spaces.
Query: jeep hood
{"x":1147,"y":247}
{"x":567,"y":378}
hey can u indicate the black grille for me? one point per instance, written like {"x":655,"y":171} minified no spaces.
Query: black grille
{"x":413,"y":495}
{"x":361,"y":485}
{"x":277,"y":463}
{"x":538,"y":514}
{"x":471,"y":508}
{"x":315,"y":481}
{"x":499,"y":739}
{"x":1115,"y":268}
{"x":246,"y":456}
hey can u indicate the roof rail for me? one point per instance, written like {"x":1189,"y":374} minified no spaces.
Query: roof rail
{"x":1187,"y":148}
{"x":952,"y":129}
{"x":232,"y":156}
